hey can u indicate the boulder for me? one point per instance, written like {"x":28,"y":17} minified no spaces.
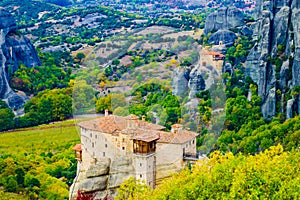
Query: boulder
{"x":224,"y":36}
{"x":99,"y":169}
{"x":94,"y":184}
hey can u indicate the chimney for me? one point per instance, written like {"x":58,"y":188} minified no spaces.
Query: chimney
{"x":143,"y":118}
{"x":175,"y":128}
{"x":106,"y":113}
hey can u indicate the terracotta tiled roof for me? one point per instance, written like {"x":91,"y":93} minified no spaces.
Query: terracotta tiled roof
{"x":103,"y":124}
{"x":212,"y":53}
{"x":111,"y":124}
{"x":137,"y":129}
{"x":147,"y":125}
{"x":77,"y":147}
{"x":146,"y":137}
{"x":181,"y":137}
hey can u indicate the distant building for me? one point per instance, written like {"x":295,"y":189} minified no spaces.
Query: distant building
{"x":215,"y":55}
{"x":155,"y":153}
{"x":213,"y":59}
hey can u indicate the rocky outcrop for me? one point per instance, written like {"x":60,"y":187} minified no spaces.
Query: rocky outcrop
{"x":295,"y":22}
{"x":269,"y":107}
{"x":93,"y":184}
{"x":196,"y":82}
{"x":227,"y":67}
{"x":274,"y":62}
{"x":224,"y":36}
{"x":224,"y":18}
{"x":180,"y":81}
{"x":103,"y":177}
{"x":99,"y":169}
{"x":189,"y":81}
{"x":289,"y":108}
{"x":246,"y":31}
{"x":14,"y":49}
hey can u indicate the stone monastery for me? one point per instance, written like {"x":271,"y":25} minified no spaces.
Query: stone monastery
{"x":114,"y":148}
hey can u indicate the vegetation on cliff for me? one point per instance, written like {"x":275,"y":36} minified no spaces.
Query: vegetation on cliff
{"x":272,"y":174}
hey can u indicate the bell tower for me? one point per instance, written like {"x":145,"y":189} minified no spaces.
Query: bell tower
{"x":144,"y":147}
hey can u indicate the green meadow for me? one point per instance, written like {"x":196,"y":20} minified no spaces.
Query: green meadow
{"x":38,"y":162}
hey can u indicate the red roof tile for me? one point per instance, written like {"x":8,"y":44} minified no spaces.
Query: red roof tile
{"x":138,"y":129}
{"x":212,"y":53}
{"x":77,"y":147}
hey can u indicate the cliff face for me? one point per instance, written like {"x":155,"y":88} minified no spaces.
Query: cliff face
{"x":14,"y":49}
{"x":274,"y":61}
{"x":224,"y":19}
{"x":190,"y":80}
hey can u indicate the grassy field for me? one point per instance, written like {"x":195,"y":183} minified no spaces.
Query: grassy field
{"x":53,"y":137}
{"x":43,"y":152}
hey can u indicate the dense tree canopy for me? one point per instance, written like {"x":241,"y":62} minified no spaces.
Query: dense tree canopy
{"x":272,"y":174}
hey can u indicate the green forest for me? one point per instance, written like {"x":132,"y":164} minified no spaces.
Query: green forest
{"x":251,"y":157}
{"x":272,"y":174}
{"x":38,"y":162}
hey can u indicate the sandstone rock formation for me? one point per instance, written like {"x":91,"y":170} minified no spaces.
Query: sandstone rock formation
{"x":224,"y":36}
{"x":274,"y":61}
{"x":14,"y":49}
{"x":224,"y":18}
{"x":103,"y":177}
{"x":289,"y":108}
{"x":189,"y":81}
{"x":196,"y":82}
{"x":180,"y":81}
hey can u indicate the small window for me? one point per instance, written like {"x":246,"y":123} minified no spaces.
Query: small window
{"x":103,"y":154}
{"x":123,"y":140}
{"x":105,"y":145}
{"x":141,"y":176}
{"x":116,"y":139}
{"x":93,"y":144}
{"x":140,"y":164}
{"x":193,"y":141}
{"x":91,"y":135}
{"x":96,"y":136}
{"x":123,"y":148}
